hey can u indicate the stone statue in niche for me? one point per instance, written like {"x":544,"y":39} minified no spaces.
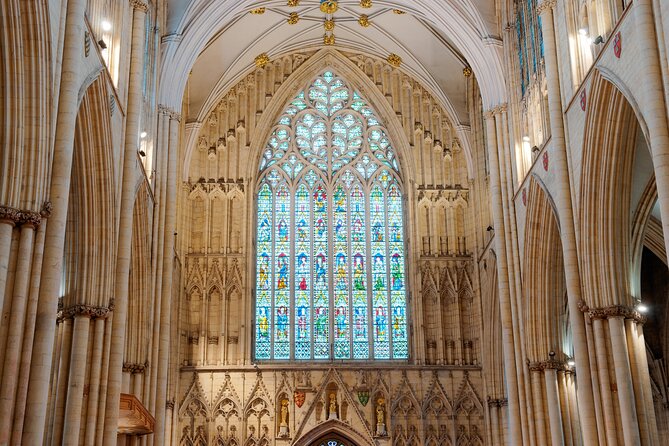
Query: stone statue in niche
{"x":381,"y":417}
{"x":333,"y":407}
{"x":283,"y":426}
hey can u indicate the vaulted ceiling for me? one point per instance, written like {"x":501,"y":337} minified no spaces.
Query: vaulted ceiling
{"x":428,"y":54}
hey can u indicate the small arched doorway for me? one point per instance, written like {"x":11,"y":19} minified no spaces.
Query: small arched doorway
{"x":333,"y":439}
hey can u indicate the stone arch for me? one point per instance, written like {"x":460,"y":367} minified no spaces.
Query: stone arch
{"x":90,"y":240}
{"x":357,"y":79}
{"x":140,"y":273}
{"x":605,"y":231}
{"x":334,"y":428}
{"x":202,"y":19}
{"x":543,"y":278}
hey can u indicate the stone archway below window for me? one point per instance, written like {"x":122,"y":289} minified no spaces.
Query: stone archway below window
{"x":332,"y":439}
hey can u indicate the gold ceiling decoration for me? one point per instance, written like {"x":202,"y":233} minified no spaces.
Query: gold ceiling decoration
{"x":293,"y":18}
{"x":467,"y":71}
{"x":262,"y":60}
{"x":292,"y":3}
{"x":258,"y":11}
{"x":398,"y":11}
{"x":394,"y":60}
{"x":364,"y":21}
{"x":329,"y":25}
{"x":365,"y":3}
{"x":328,"y":39}
{"x":329,"y":6}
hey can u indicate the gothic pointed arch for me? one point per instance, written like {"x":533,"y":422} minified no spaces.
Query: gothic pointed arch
{"x":544,"y":279}
{"x":330,"y":260}
{"x":335,"y":62}
{"x":334,"y":429}
{"x":611,"y":132}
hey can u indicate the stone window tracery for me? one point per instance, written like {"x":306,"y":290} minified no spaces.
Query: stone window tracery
{"x":330,"y":252}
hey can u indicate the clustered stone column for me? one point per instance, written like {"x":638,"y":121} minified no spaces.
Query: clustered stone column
{"x":566,"y":218}
{"x":130,"y":164}
{"x":52,"y":265}
{"x":512,"y":381}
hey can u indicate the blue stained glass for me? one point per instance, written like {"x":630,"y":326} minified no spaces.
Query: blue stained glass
{"x":530,"y":44}
{"x":330,"y":256}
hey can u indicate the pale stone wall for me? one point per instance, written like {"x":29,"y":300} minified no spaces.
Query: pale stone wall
{"x":443,"y":226}
{"x":419,"y":406}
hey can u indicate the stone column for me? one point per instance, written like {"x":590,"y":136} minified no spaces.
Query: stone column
{"x":130,"y":165}
{"x":6,"y":228}
{"x":644,"y":381}
{"x":621,"y":361}
{"x":158,"y":241}
{"x":77,"y":376}
{"x":655,"y":111}
{"x":554,"y":408}
{"x":604,"y":381}
{"x":567,"y":229}
{"x":509,"y":237}
{"x":52,"y":266}
{"x":515,"y":431}
{"x":539,"y":415}
{"x":19,"y":301}
{"x":94,"y":380}
{"x":168,"y":266}
{"x":493,"y":408}
{"x":29,"y":336}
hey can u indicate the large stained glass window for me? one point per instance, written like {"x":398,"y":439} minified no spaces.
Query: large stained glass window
{"x":330,"y":261}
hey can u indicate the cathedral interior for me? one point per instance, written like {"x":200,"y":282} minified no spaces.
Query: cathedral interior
{"x":334,"y":223}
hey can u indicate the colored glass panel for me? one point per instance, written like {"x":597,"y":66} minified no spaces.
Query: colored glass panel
{"x":282,"y":268}
{"x":264,"y":276}
{"x":303,"y":273}
{"x":321,"y":274}
{"x":359,"y":273}
{"x":330,"y":260}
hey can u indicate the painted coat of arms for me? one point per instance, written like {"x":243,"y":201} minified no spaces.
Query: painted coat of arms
{"x":363,"y":397}
{"x":299,"y":397}
{"x":618,"y":45}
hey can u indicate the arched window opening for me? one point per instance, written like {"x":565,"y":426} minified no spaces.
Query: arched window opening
{"x":330,"y":249}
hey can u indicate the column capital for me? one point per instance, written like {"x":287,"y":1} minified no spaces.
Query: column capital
{"x":139,"y":5}
{"x":170,"y":112}
{"x":497,"y":402}
{"x":496,"y":110}
{"x":614,"y":311}
{"x":18,"y":217}
{"x":546,"y":6}
{"x":549,"y":364}
{"x":83,"y":310}
{"x":135,"y":368}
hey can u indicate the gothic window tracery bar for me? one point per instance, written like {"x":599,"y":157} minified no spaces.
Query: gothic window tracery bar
{"x":330,"y":248}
